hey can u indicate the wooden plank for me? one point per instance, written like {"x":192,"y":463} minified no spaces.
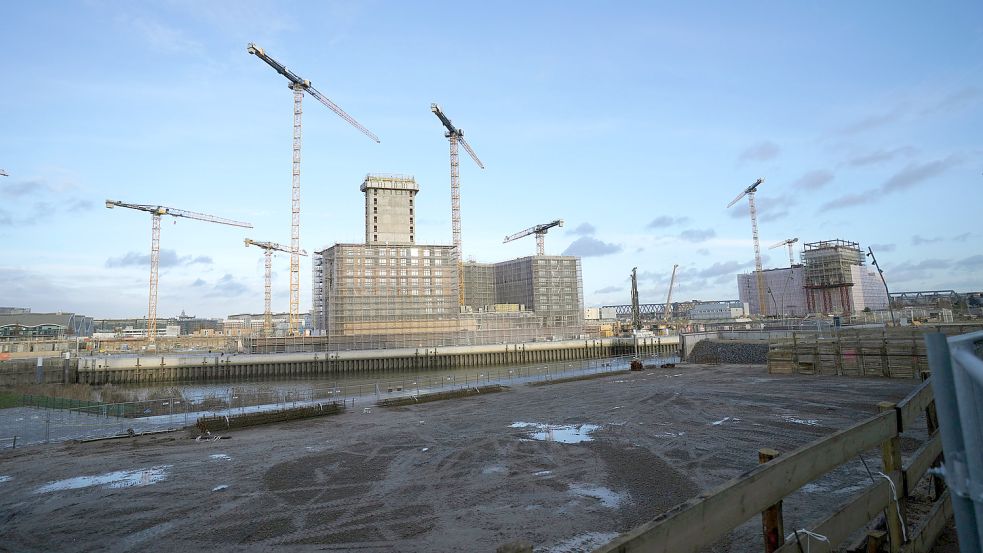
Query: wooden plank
{"x":921,"y":460}
{"x":703,"y":520}
{"x":926,"y":534}
{"x":913,"y":406}
{"x":850,"y":517}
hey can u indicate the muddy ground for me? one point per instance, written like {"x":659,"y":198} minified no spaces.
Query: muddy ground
{"x":456,"y":475}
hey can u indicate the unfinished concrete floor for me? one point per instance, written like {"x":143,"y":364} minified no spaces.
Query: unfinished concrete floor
{"x":456,"y":475}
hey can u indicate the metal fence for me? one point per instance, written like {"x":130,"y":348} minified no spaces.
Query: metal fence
{"x":957,"y":381}
{"x":45,"y":420}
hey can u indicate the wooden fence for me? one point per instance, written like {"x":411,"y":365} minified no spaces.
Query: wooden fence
{"x":895,"y":352}
{"x":699,"y":523}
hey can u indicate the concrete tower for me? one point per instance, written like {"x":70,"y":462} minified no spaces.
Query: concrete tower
{"x":389,"y":209}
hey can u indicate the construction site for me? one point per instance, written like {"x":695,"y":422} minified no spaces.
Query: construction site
{"x":466,"y":475}
{"x":429,"y":401}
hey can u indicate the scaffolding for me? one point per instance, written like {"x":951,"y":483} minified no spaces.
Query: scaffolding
{"x":829,"y":275}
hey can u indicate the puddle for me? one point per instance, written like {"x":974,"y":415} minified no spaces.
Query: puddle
{"x":563,"y":433}
{"x":220,"y":487}
{"x":670,"y":434}
{"x":807,"y":422}
{"x":425,"y":449}
{"x":814,"y":488}
{"x":493,"y":469}
{"x":117,"y":479}
{"x":5,"y":479}
{"x":582,"y":542}
{"x":606,"y":496}
{"x":725,"y":419}
{"x":540,"y":473}
{"x":220,"y":457}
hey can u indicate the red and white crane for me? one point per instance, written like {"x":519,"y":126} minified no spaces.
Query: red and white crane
{"x":456,"y":135}
{"x":759,"y":275}
{"x":299,"y":87}
{"x":539,"y":231}
{"x":156,"y":212}
{"x":268,"y":249}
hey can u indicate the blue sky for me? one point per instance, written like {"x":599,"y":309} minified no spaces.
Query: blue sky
{"x":635,"y":122}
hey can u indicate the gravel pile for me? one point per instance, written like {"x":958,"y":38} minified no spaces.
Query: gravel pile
{"x":741,"y":353}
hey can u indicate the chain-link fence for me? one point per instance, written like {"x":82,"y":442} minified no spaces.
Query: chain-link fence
{"x":45,"y":420}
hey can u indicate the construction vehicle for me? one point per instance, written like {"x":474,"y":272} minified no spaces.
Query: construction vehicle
{"x":299,"y":87}
{"x":539,"y":231}
{"x":268,"y":249}
{"x":156,"y":212}
{"x":455,"y":136}
{"x":749,"y":192}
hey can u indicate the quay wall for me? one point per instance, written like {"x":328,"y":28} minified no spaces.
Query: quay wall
{"x":218,"y":366}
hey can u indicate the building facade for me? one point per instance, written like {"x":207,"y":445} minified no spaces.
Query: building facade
{"x":391,"y":292}
{"x":784,"y":291}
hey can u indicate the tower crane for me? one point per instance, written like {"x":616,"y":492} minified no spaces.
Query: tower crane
{"x":268,"y":249}
{"x":787,"y":242}
{"x":672,"y":280}
{"x":749,"y":192}
{"x":455,"y":135}
{"x":539,"y":231}
{"x":156,"y":212}
{"x":299,"y":87}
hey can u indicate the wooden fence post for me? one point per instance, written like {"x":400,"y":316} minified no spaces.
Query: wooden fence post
{"x":932,"y":422}
{"x":875,"y":541}
{"x":795,"y":355}
{"x":885,"y":360}
{"x":772,"y":523}
{"x":891,"y":459}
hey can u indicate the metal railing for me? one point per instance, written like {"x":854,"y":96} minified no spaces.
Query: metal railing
{"x":957,"y":373}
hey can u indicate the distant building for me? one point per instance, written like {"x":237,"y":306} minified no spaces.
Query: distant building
{"x":21,"y":323}
{"x":784,"y":291}
{"x":832,"y":280}
{"x":392,"y":292}
{"x":718,"y":310}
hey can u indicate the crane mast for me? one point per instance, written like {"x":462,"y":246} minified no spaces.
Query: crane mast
{"x":540,"y":232}
{"x":672,"y":280}
{"x":455,"y":135}
{"x":156,"y":212}
{"x":759,"y":274}
{"x":268,"y":249}
{"x":299,"y":86}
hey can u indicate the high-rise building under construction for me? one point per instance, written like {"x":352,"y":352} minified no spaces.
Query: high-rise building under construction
{"x":391,"y":292}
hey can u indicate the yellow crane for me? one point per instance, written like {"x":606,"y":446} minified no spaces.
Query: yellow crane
{"x":759,"y":275}
{"x":787,"y":242}
{"x":540,"y":232}
{"x":156,"y":212}
{"x":299,"y":87}
{"x":456,"y":135}
{"x":268,"y":249}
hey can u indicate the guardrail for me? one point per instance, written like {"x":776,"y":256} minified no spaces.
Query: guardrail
{"x":700,"y":522}
{"x":958,"y":368}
